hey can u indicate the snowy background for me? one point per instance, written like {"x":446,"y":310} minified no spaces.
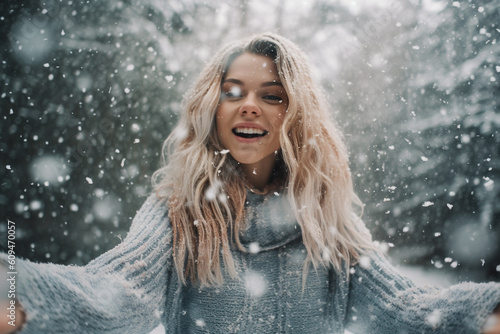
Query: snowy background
{"x":90,"y":89}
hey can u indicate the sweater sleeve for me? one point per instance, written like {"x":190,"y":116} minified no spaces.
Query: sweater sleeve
{"x":381,"y":300}
{"x":121,"y":291}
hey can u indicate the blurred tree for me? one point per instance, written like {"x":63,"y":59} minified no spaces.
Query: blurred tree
{"x":91,"y":89}
{"x":437,"y":199}
{"x":89,"y":95}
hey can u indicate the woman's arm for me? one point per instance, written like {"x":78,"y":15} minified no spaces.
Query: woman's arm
{"x":121,"y":291}
{"x":492,"y":325}
{"x":381,"y":300}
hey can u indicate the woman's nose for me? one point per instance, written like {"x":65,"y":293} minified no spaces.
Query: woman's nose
{"x":250,"y":106}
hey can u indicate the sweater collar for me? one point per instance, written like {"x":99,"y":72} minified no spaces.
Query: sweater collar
{"x":270,"y":222}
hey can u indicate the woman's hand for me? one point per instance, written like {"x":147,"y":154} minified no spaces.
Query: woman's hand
{"x":11,"y":317}
{"x":492,"y":325}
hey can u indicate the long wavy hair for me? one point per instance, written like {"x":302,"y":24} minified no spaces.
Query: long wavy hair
{"x":205,"y":188}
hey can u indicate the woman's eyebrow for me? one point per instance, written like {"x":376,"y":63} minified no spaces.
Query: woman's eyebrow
{"x":272,"y":83}
{"x":265,"y":84}
{"x":236,"y":81}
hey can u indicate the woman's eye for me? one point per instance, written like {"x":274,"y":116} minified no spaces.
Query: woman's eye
{"x":233,"y":92}
{"x":273,"y":98}
{"x":230,"y":94}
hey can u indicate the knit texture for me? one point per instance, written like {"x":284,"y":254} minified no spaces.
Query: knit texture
{"x":122,"y":291}
{"x":133,"y":288}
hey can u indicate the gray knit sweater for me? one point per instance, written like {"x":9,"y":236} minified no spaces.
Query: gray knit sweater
{"x":133,"y":288}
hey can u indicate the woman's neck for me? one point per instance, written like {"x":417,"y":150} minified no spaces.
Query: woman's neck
{"x":258,"y":175}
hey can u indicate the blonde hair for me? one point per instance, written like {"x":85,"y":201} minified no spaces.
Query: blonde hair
{"x":207,"y":192}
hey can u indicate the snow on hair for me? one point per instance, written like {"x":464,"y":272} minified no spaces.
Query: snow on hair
{"x":314,"y":171}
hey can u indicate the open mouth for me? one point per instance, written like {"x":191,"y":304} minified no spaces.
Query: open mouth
{"x":249,"y":132}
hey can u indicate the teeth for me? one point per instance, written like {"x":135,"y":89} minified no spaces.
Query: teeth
{"x":250,"y":131}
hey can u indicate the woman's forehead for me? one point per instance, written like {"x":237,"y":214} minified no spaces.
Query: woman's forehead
{"x":253,"y":67}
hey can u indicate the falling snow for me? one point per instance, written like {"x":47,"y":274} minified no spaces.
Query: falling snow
{"x":255,"y":284}
{"x":434,"y":319}
{"x":88,"y":101}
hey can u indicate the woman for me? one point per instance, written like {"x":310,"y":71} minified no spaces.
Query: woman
{"x":251,"y":229}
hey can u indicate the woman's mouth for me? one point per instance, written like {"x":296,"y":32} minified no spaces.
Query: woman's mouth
{"x":249,"y":132}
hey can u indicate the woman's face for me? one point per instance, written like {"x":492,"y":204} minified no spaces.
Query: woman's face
{"x":251,"y":111}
